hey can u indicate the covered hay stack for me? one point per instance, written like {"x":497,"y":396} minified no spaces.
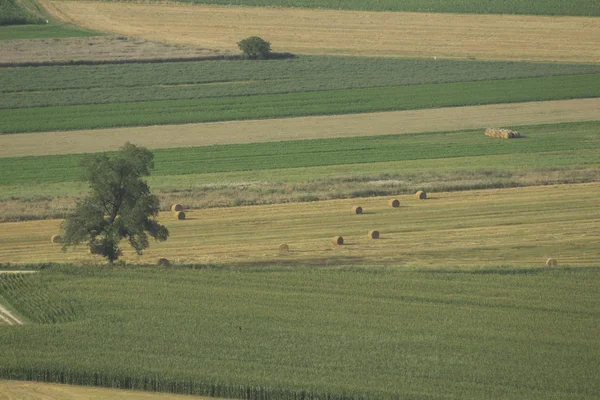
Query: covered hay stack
{"x":338,"y":240}
{"x":180,"y":215}
{"x":502,"y":133}
{"x":394,"y":203}
{"x":551,"y":262}
{"x":56,"y":239}
{"x":176,"y":208}
{"x":284,"y":248}
{"x":373,"y":234}
{"x":421,"y":195}
{"x":357,"y":210}
{"x":163,"y":262}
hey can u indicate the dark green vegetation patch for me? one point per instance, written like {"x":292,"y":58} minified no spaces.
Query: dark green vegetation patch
{"x":102,"y":96}
{"x":303,"y":333}
{"x":14,"y":12}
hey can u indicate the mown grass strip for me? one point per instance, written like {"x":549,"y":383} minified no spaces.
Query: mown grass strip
{"x":313,"y":153}
{"x":298,"y":104}
{"x":578,"y":7}
{"x":310,"y":333}
{"x":43,"y":31}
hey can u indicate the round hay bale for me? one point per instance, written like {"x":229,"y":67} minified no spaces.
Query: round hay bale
{"x":373,"y":234}
{"x":180,"y":215}
{"x":394,"y":203}
{"x":56,"y":239}
{"x":338,"y":240}
{"x":551,"y":262}
{"x":284,"y":248}
{"x":176,"y":208}
{"x":163,"y":262}
{"x":357,"y":210}
{"x":421,"y":195}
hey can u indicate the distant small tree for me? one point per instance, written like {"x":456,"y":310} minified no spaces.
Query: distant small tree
{"x":119,"y":206}
{"x":255,"y":47}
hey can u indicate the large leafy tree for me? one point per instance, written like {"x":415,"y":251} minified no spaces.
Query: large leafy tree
{"x":119,"y":205}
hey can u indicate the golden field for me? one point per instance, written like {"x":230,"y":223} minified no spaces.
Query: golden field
{"x":386,"y":34}
{"x":509,"y":227}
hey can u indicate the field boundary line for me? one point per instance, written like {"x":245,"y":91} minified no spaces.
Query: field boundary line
{"x":301,"y":128}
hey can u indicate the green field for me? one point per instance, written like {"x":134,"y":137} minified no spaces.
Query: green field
{"x":97,"y":96}
{"x":310,"y":333}
{"x":133,"y":106}
{"x":577,"y":7}
{"x":568,"y":140}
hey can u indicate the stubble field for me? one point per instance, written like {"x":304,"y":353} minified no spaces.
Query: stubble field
{"x":510,"y":227}
{"x":335,"y":32}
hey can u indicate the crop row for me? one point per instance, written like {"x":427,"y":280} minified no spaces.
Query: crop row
{"x":34,"y":299}
{"x":555,"y":7}
{"x":297,"y":104}
{"x":310,"y":333}
{"x":319,"y":152}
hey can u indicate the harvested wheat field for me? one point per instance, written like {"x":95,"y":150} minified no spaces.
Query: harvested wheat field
{"x":272,"y":130}
{"x":511,"y":227}
{"x":96,"y":49}
{"x":19,"y":390}
{"x":395,"y":34}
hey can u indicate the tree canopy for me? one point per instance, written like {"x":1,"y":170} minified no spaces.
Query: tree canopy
{"x":119,"y":205}
{"x":255,"y":47}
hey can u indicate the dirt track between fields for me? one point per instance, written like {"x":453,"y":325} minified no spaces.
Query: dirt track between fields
{"x":391,"y":34}
{"x":271,"y":130}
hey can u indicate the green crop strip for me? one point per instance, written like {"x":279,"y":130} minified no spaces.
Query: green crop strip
{"x":555,"y":7}
{"x":298,"y":104}
{"x":567,"y":138}
{"x":319,"y":333}
{"x":43,"y":31}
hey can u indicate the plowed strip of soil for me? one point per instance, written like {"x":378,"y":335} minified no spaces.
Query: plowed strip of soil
{"x":373,"y":124}
{"x":395,"y":34}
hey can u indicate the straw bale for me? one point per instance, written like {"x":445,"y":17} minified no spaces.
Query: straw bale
{"x":421,"y":195}
{"x":502,"y":133}
{"x":551,"y":262}
{"x":284,"y":248}
{"x":373,"y":234}
{"x":357,"y":210}
{"x":394,"y":203}
{"x":338,"y":240}
{"x":163,"y":262}
{"x":56,"y":239}
{"x":180,"y":215}
{"x":176,"y":208}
